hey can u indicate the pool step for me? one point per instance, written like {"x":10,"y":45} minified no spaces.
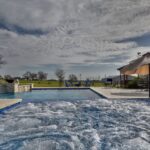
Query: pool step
{"x":4,"y":103}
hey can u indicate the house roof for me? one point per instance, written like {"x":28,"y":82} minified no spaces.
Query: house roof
{"x":137,"y":66}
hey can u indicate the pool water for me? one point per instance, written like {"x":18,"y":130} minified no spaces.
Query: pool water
{"x":87,"y":124}
{"x":54,"y":95}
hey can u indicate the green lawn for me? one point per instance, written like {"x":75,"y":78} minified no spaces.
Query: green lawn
{"x":2,"y":81}
{"x":98,"y":84}
{"x":52,"y":83}
{"x":44,"y":83}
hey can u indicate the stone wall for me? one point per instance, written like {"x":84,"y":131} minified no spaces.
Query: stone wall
{"x":3,"y":88}
{"x":15,"y":88}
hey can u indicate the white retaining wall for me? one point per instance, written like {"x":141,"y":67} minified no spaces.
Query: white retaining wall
{"x":23,"y":88}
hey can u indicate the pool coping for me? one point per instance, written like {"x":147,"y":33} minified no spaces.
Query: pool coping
{"x":8,"y":103}
{"x":98,"y":93}
{"x":60,"y":88}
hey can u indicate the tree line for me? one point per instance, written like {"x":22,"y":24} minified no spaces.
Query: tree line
{"x":35,"y":76}
{"x":28,"y":76}
{"x":59,"y":73}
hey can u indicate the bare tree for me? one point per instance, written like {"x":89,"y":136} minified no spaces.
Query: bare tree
{"x":27,"y":75}
{"x":60,"y":75}
{"x":34,"y":76}
{"x":73,"y":77}
{"x":42,"y":75}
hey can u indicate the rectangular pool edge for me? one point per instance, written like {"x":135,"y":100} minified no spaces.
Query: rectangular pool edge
{"x":60,"y":88}
{"x":101,"y":95}
{"x":70,"y":88}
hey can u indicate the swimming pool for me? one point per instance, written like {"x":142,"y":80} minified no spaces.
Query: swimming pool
{"x":88,"y":124}
{"x":53,"y":95}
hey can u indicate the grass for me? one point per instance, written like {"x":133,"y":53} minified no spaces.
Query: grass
{"x":44,"y":83}
{"x":98,"y":84}
{"x":2,"y":81}
{"x":52,"y":83}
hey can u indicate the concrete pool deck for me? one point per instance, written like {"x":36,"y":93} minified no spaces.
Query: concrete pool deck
{"x":4,"y":103}
{"x":114,"y":93}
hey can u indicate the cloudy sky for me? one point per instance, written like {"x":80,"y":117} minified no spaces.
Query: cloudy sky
{"x":92,"y":37}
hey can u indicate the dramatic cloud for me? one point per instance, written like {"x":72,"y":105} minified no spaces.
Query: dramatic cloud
{"x":34,"y":33}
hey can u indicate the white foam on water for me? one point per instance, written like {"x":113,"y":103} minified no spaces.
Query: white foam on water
{"x":53,"y":126}
{"x":63,"y":105}
{"x":26,"y":123}
{"x":135,"y":144}
{"x":2,"y":128}
{"x":83,"y":125}
{"x":40,"y":145}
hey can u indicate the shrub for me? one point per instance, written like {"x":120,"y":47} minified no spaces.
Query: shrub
{"x":133,"y":84}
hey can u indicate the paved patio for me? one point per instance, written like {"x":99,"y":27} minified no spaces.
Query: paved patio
{"x":114,"y":93}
